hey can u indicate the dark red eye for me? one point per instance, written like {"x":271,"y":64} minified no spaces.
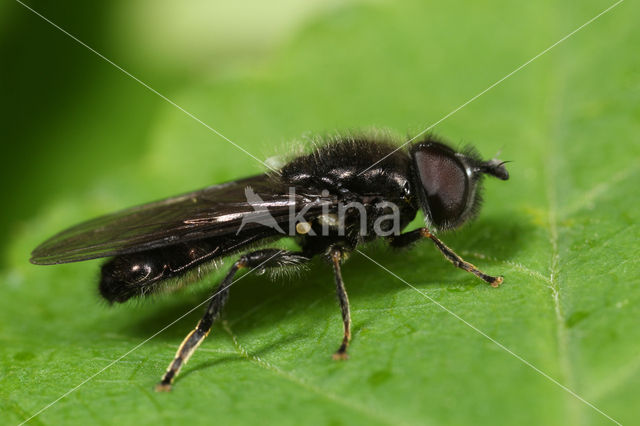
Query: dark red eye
{"x":445,"y":183}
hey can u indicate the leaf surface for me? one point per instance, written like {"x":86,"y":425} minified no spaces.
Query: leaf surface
{"x":563,"y":231}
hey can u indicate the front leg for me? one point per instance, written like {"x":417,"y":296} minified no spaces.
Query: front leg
{"x":408,"y":238}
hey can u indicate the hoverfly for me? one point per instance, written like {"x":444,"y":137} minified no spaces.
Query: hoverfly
{"x":330,"y":200}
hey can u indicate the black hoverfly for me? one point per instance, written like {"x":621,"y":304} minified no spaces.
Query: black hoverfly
{"x":330,"y":201}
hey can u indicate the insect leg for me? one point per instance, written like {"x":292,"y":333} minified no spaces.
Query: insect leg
{"x":336,"y":255}
{"x":410,"y":237}
{"x":258,"y":260}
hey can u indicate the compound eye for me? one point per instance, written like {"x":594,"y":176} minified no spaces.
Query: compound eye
{"x":445,"y":183}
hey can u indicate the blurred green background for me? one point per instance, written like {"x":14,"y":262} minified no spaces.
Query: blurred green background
{"x":81,"y":138}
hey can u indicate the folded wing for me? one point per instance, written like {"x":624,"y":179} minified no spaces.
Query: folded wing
{"x":241,"y":208}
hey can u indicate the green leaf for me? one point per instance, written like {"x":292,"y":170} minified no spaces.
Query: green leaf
{"x":563,"y":231}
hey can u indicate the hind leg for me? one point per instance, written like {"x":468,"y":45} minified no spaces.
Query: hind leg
{"x":260,"y":259}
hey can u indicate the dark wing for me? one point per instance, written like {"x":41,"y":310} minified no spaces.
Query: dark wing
{"x":215,"y":211}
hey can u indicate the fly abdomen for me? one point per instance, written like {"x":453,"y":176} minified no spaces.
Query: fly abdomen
{"x":126,"y":276}
{"x":143,"y":273}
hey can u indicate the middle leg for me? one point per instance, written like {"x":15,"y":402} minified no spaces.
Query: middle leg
{"x":336,"y":254}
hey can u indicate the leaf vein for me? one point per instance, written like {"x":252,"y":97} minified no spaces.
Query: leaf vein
{"x":304,"y":384}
